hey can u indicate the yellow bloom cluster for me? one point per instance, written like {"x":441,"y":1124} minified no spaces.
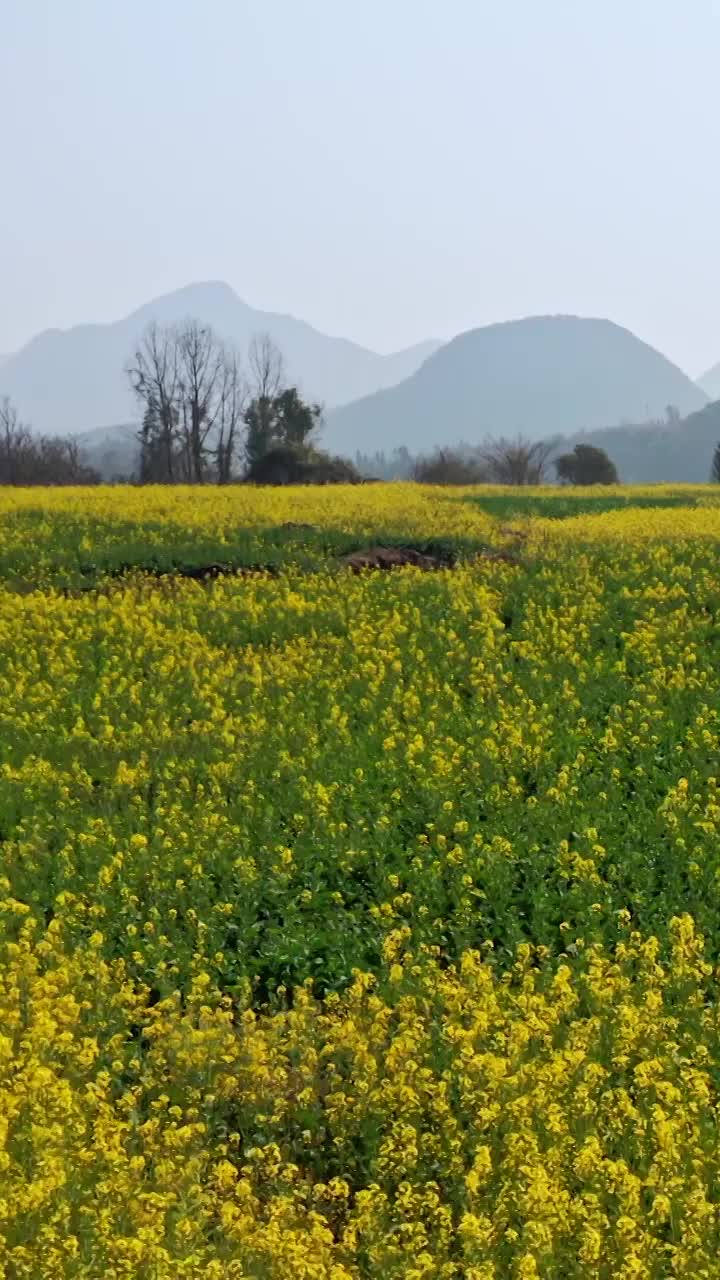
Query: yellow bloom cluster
{"x":359,"y":925}
{"x":457,"y":1124}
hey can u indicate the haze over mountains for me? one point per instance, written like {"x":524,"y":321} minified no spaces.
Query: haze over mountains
{"x":659,"y":452}
{"x":544,"y":376}
{"x":541,"y":376}
{"x":710,"y":382}
{"x":72,"y":380}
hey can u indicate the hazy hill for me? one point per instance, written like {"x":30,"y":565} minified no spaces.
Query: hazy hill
{"x":72,"y":380}
{"x":113,"y":451}
{"x":710,"y":382}
{"x":541,"y":376}
{"x":660,"y":452}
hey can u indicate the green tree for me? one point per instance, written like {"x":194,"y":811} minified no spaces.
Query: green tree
{"x":715,"y":468}
{"x":294,"y":419}
{"x":586,"y":465}
{"x":288,"y":464}
{"x":150,"y":466}
{"x":259,"y":424}
{"x":283,"y":420}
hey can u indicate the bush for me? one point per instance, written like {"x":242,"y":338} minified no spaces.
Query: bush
{"x":288,"y":464}
{"x":516,"y":462}
{"x":586,"y":465}
{"x":447,"y":466}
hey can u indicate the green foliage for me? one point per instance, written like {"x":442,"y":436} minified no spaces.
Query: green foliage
{"x":563,"y":506}
{"x":370,"y":778}
{"x":259,"y":423}
{"x":354,"y":920}
{"x":297,"y":464}
{"x":586,"y":465}
{"x":281,"y":421}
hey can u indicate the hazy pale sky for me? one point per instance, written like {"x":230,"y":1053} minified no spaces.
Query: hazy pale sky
{"x":386,"y":169}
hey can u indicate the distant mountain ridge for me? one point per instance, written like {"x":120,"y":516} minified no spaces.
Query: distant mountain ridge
{"x":644,"y":453}
{"x":658,"y":452}
{"x":710,"y":382}
{"x":541,"y":376}
{"x":72,"y":380}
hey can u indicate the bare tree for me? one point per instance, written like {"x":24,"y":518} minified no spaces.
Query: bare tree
{"x":153,"y":375}
{"x":59,"y":460}
{"x":517,"y":462}
{"x":449,"y":466}
{"x":15,"y":444}
{"x":27,"y":459}
{"x":267,"y":379}
{"x":266,"y":367}
{"x":231,"y":405}
{"x":192,"y":391}
{"x":201,"y":370}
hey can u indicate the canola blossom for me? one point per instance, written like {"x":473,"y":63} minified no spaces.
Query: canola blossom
{"x":359,"y":925}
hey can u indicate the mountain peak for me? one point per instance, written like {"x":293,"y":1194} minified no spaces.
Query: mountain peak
{"x":209,"y":301}
{"x":541,"y":375}
{"x":73,"y":380}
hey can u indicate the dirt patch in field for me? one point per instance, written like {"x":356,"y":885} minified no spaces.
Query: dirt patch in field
{"x":158,"y":573}
{"x":394,"y":558}
{"x":498,"y":553}
{"x":379,"y":557}
{"x":425,"y":556}
{"x":200,"y":572}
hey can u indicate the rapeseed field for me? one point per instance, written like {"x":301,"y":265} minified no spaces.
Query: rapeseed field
{"x":359,"y":925}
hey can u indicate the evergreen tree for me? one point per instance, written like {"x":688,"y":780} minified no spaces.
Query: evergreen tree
{"x":260,"y":435}
{"x":715,"y":468}
{"x":150,"y":443}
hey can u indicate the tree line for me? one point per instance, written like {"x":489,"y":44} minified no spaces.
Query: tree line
{"x":205,"y":418}
{"x":208,"y":418}
{"x":501,"y":461}
{"x":28,"y":459}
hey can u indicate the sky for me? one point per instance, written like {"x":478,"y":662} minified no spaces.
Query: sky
{"x":388,"y":170}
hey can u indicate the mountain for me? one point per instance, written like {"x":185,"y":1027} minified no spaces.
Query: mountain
{"x":73,"y":381}
{"x":658,"y":452}
{"x":540,"y":376}
{"x":113,"y":451}
{"x":710,"y":382}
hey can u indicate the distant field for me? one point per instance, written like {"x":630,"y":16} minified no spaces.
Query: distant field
{"x":359,"y":925}
{"x":75,"y":536}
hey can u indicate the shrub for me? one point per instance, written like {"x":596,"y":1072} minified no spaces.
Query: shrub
{"x":586,"y":465}
{"x":288,"y":464}
{"x":516,"y":462}
{"x":447,"y":466}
